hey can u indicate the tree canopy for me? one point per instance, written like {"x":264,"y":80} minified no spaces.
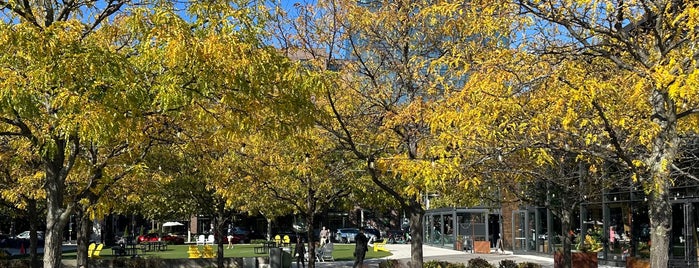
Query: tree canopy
{"x":338,"y":98}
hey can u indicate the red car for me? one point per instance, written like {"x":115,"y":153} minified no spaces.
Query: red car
{"x":171,"y":239}
{"x":237,"y":239}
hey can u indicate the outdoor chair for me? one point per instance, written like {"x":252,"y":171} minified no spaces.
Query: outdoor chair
{"x":380,"y":246}
{"x":287,"y":241}
{"x":210,"y":240}
{"x":91,"y":249}
{"x":278,"y":240}
{"x":193,"y":252}
{"x":98,"y":250}
{"x":208,"y":252}
{"x":201,"y":240}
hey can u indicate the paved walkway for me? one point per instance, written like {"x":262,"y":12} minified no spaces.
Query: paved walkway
{"x":402,"y":252}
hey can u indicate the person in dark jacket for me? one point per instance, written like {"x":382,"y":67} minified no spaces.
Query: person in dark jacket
{"x":360,"y":248}
{"x":300,"y":252}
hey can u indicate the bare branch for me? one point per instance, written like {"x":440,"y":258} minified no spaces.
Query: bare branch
{"x":683,"y":173}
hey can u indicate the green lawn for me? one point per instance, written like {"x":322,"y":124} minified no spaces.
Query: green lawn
{"x":342,"y":252}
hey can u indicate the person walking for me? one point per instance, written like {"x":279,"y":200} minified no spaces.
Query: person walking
{"x":360,"y":248}
{"x":324,"y":234}
{"x":300,"y":252}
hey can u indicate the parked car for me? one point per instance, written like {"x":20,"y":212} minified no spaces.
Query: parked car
{"x":171,"y":239}
{"x":235,"y":239}
{"x":242,"y":233}
{"x":25,"y":235}
{"x":372,"y":234}
{"x":21,"y":239}
{"x":346,"y":235}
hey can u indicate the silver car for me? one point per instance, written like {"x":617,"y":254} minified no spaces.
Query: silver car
{"x":25,"y":235}
{"x":346,"y":235}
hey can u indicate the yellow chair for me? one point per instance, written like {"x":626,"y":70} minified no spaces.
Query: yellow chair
{"x":208,"y":252}
{"x":380,"y":246}
{"x":98,"y":250}
{"x":287,"y":241}
{"x":278,"y":240}
{"x":91,"y":249}
{"x":193,"y":252}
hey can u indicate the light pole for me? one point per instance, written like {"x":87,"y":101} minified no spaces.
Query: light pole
{"x":370,"y":164}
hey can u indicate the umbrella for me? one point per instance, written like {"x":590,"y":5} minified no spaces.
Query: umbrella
{"x":172,"y":223}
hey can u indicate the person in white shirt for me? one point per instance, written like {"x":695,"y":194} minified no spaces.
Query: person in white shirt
{"x":324,"y":236}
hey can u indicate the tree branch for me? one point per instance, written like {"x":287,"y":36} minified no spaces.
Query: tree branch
{"x":688,"y":112}
{"x":612,"y":135}
{"x":23,"y":11}
{"x":112,"y":7}
{"x":684,"y":173}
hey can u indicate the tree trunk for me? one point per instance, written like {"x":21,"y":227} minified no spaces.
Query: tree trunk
{"x":219,"y":223}
{"x":84,"y":229}
{"x":56,"y":218}
{"x":310,"y":212}
{"x":660,"y":161}
{"x":311,"y":243}
{"x":416,"y":225}
{"x":269,"y":228}
{"x":565,"y":226}
{"x":660,"y":215}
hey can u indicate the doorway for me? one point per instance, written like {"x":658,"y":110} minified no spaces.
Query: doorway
{"x":493,"y":229}
{"x":522,"y":231}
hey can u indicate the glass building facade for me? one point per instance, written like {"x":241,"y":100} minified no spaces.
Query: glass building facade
{"x":617,"y":218}
{"x":444,"y":227}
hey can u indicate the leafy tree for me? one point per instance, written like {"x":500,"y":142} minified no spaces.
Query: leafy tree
{"x":301,"y":174}
{"x":648,"y":47}
{"x":394,"y":59}
{"x":240,"y":88}
{"x":19,"y":190}
{"x":90,"y":91}
{"x":64,"y":81}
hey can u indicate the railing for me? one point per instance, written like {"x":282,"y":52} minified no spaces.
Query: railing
{"x":682,"y":263}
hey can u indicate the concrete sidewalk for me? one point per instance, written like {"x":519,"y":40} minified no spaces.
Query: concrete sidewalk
{"x":402,"y":252}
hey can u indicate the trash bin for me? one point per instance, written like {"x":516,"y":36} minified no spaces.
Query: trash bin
{"x":280,"y":258}
{"x":286,"y":258}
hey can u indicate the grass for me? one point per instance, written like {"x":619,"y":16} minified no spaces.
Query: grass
{"x":342,"y":252}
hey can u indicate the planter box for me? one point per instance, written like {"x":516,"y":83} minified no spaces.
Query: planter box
{"x":481,"y":247}
{"x":458,"y":245}
{"x":580,"y":259}
{"x":633,"y":262}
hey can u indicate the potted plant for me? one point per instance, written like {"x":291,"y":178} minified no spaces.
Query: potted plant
{"x":590,"y":244}
{"x":585,"y":256}
{"x":639,"y":261}
{"x":459,"y":244}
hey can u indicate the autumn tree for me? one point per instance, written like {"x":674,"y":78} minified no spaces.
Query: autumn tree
{"x":648,"y":46}
{"x":59,"y":90}
{"x":394,"y":60}
{"x":405,"y":56}
{"x":90,"y":90}
{"x":20,"y":189}
{"x":301,"y":174}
